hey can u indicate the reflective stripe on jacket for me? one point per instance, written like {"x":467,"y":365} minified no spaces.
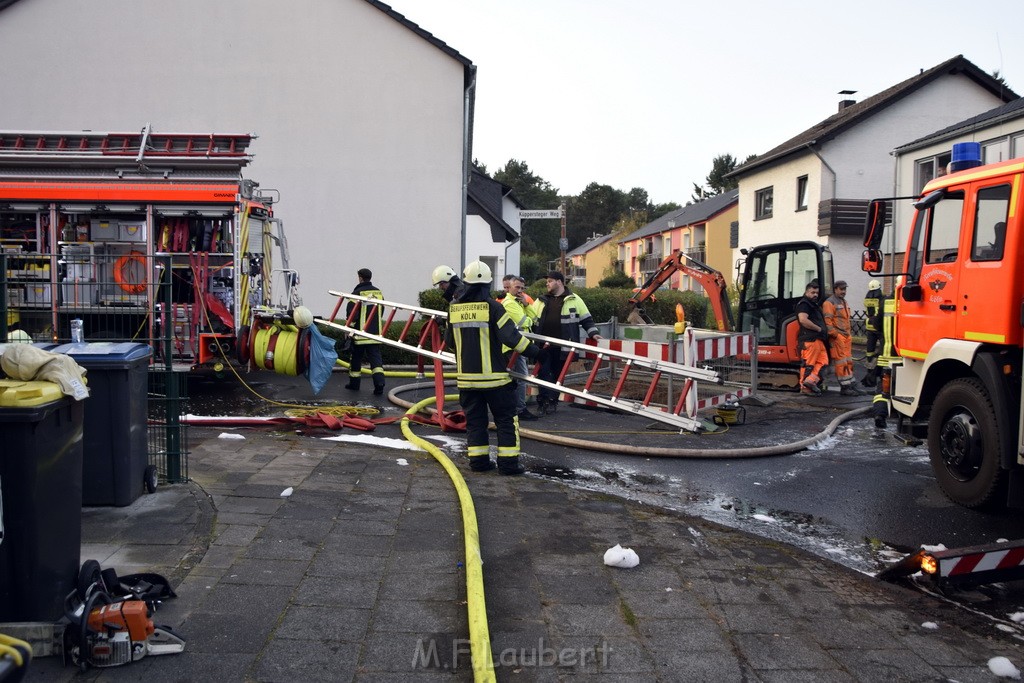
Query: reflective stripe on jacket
{"x":519,"y":314}
{"x":837,"y":316}
{"x":873,"y":310}
{"x":574,"y":315}
{"x":477,"y":328}
{"x":369,"y":315}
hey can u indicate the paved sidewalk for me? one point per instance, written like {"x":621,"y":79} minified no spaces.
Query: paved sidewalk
{"x":358,"y":575}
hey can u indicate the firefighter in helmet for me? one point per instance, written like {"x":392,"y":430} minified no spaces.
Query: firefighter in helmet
{"x":448,"y":282}
{"x":883,"y":384}
{"x":478,"y":326}
{"x":873,"y":305}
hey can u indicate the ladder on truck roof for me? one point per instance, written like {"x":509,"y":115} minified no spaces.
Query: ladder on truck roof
{"x":426,"y":346}
{"x":112,"y":150}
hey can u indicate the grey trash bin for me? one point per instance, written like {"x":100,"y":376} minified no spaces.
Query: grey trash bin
{"x":40,"y":499}
{"x":115,"y":463}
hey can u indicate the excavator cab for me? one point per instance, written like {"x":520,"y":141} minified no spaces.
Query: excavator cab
{"x":771,"y":283}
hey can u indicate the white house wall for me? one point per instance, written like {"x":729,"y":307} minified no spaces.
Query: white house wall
{"x":360,"y":120}
{"x":786,"y":224}
{"x":510,"y":211}
{"x":480,"y":246}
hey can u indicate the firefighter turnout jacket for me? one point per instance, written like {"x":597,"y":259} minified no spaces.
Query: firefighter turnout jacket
{"x":369,"y":315}
{"x":478,"y":326}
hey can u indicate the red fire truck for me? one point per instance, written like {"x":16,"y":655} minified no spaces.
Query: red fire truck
{"x":956,"y":376}
{"x":143,"y":236}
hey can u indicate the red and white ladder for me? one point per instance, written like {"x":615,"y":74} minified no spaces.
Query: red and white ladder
{"x":634,"y":367}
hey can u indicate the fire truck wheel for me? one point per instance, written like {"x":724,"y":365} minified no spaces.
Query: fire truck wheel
{"x":963,"y":443}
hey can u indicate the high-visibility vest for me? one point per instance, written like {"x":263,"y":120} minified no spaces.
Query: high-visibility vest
{"x":888,"y":333}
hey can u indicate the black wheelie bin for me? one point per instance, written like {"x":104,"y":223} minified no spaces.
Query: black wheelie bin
{"x":115,"y":467}
{"x":40,"y":499}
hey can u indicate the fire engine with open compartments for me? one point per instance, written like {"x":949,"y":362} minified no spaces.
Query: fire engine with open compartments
{"x":958,"y":322}
{"x":143,"y":236}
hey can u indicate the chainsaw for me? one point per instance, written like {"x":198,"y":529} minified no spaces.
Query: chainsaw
{"x":109,"y":619}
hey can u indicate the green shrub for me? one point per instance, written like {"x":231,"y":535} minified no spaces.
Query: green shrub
{"x":618,"y":279}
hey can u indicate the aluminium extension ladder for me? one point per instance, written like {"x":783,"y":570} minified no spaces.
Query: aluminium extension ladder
{"x":429,"y":345}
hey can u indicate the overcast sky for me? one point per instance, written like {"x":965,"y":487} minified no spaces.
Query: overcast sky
{"x":645,"y":93}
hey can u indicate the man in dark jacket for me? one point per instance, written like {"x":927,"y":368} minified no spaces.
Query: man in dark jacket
{"x":478,"y":326}
{"x":559,"y":314}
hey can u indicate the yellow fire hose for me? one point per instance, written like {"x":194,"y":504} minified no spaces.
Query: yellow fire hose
{"x":479,"y":635}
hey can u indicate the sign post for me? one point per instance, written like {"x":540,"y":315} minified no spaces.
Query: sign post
{"x":563,"y":243}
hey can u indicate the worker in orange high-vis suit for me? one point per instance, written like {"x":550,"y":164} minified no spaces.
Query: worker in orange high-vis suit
{"x":840,"y":343}
{"x":811,"y":340}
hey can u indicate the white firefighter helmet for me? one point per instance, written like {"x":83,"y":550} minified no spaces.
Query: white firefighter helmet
{"x":477,"y":272}
{"x":873,"y":285}
{"x":442,"y":274}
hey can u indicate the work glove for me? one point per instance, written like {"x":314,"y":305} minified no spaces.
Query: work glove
{"x":537,"y":353}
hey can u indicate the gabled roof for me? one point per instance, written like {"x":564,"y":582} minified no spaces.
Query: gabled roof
{"x":590,"y":245}
{"x":1004,"y":112}
{"x":688,"y":215}
{"x":416,"y":28}
{"x":484,"y":198}
{"x":854,"y":114}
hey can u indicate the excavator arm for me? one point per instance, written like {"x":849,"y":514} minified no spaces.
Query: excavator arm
{"x":710,"y":279}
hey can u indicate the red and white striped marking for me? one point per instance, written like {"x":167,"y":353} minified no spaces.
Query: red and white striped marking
{"x":719,"y":347}
{"x":975,"y":563}
{"x":652,"y":350}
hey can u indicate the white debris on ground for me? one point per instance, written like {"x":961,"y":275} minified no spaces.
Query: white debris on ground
{"x":617,"y":556}
{"x":1017,"y":617}
{"x":383,"y":441}
{"x":1004,"y":668}
{"x":764,"y":518}
{"x":933,"y":548}
{"x":446,"y":440}
{"x":403,"y":462}
{"x":930,"y":625}
{"x":287,"y":492}
{"x":229,"y":435}
{"x":823,"y":445}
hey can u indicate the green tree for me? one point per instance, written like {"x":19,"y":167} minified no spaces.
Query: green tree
{"x":716,"y":183}
{"x":539,"y":237}
{"x":596,"y":210}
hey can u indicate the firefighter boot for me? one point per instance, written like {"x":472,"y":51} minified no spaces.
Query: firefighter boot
{"x":481,"y":463}
{"x":510,"y":465}
{"x":378,"y":384}
{"x":870,"y":378}
{"x":353,"y":384}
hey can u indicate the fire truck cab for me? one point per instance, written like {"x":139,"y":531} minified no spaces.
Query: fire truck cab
{"x":956,"y":374}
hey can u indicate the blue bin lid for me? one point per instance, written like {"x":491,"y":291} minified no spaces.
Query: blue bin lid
{"x":89,"y":354}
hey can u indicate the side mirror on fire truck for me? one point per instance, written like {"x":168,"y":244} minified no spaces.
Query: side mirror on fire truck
{"x":871,"y":261}
{"x":874,"y":223}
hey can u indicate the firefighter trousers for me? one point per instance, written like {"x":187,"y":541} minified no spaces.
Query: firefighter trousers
{"x":502,"y":403}
{"x":871,"y":349}
{"x":372,"y":354}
